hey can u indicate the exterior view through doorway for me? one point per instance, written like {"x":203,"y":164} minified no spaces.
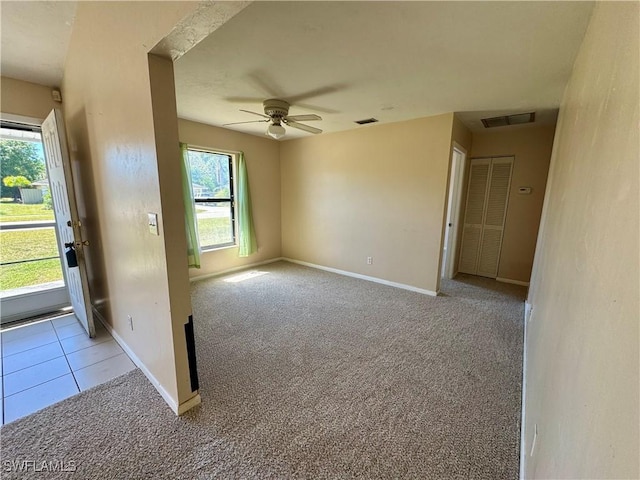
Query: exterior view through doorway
{"x":67,"y":238}
{"x":31,"y":278}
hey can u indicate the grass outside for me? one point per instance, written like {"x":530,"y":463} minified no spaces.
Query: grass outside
{"x":30,"y":244}
{"x":16,"y":245}
{"x":17,"y":212}
{"x":214,"y":231}
{"x":27,"y":274}
{"x":27,"y":244}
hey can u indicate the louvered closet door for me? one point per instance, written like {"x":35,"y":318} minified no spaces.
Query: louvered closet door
{"x":488,"y":193}
{"x":474,"y":215}
{"x":495,"y":212}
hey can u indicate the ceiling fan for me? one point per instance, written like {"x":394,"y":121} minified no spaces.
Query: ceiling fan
{"x":276,"y":112}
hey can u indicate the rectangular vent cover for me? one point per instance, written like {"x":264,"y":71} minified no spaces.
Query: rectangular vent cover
{"x":515,"y":119}
{"x":366,"y":120}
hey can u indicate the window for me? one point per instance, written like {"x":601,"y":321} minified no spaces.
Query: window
{"x":212,"y":185}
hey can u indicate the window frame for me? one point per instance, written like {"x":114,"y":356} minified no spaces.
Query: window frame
{"x":231,"y":200}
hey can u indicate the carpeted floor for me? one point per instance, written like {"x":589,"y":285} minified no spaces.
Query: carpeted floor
{"x":308,"y":374}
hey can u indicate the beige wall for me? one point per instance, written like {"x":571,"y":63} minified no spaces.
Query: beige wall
{"x":263,"y":167}
{"x":113,"y":137}
{"x":25,"y":98}
{"x":461,"y":134}
{"x":376,"y":191}
{"x":531,"y":147}
{"x":582,"y":340}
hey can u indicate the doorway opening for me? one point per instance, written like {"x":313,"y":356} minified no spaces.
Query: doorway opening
{"x":46,"y":356}
{"x":452,"y":230}
{"x":31,"y":277}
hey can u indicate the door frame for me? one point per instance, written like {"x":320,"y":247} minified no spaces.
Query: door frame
{"x":43,"y":301}
{"x":456,"y":179}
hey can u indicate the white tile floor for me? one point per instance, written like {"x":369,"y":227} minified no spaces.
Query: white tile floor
{"x":48,"y":361}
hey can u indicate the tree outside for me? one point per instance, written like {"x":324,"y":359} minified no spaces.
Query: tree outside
{"x":28,"y":256}
{"x":15,"y":183}
{"x":19,"y":159}
{"x":210,"y":170}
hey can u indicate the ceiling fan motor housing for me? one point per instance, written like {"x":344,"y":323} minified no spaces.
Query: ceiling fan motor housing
{"x":276,"y":109}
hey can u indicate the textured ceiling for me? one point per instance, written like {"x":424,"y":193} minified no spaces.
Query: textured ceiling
{"x":393,"y":61}
{"x":35,"y":38}
{"x":345,"y":61}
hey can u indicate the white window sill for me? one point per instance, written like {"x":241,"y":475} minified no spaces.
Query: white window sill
{"x":217,"y":249}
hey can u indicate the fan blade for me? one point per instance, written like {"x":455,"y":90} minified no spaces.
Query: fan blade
{"x":318,"y":92}
{"x":301,"y":126}
{"x":254,"y":100}
{"x":304,"y":118}
{"x":256,"y":113}
{"x":251,"y":121}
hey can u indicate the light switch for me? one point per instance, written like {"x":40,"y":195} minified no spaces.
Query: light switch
{"x":153,"y":224}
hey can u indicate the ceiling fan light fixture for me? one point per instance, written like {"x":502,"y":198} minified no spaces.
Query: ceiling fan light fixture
{"x":276,"y":131}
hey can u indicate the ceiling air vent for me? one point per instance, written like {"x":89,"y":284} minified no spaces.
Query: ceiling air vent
{"x":515,"y":119}
{"x":366,"y":120}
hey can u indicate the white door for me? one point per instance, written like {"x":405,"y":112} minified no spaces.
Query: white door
{"x":64,"y":205}
{"x":453,"y":213}
{"x":485,"y":213}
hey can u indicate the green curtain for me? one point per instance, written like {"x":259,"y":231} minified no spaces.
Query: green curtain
{"x":193,"y":244}
{"x":247,"y":236}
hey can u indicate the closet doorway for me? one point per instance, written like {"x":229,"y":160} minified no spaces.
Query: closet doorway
{"x":485,"y":213}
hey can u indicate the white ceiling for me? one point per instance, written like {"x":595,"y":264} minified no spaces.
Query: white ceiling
{"x":35,"y":38}
{"x":393,"y":61}
{"x":345,"y":61}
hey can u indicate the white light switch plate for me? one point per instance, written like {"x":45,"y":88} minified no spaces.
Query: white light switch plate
{"x":153,"y":224}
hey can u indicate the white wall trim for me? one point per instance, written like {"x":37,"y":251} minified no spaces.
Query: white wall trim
{"x":514,"y":282}
{"x":363,"y":277}
{"x":33,"y":302}
{"x":523,"y":453}
{"x":234,"y":269}
{"x":10,"y":117}
{"x":189,"y":404}
{"x":134,"y":358}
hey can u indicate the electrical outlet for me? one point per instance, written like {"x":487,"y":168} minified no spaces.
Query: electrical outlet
{"x":369,"y":260}
{"x":130,"y":319}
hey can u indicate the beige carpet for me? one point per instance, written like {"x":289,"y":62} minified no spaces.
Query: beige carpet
{"x":307,"y":374}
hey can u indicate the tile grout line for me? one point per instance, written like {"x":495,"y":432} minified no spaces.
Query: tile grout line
{"x":2,"y":359}
{"x":64,"y":353}
{"x":66,"y":359}
{"x":29,"y":349}
{"x":57,"y":340}
{"x":35,"y":364}
{"x":103,"y":360}
{"x":34,"y":386}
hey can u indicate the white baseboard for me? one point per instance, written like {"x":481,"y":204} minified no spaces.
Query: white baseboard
{"x":189,"y":404}
{"x":178,"y":409}
{"x":234,"y":269}
{"x":363,"y":277}
{"x":515,"y":282}
{"x":523,"y":453}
